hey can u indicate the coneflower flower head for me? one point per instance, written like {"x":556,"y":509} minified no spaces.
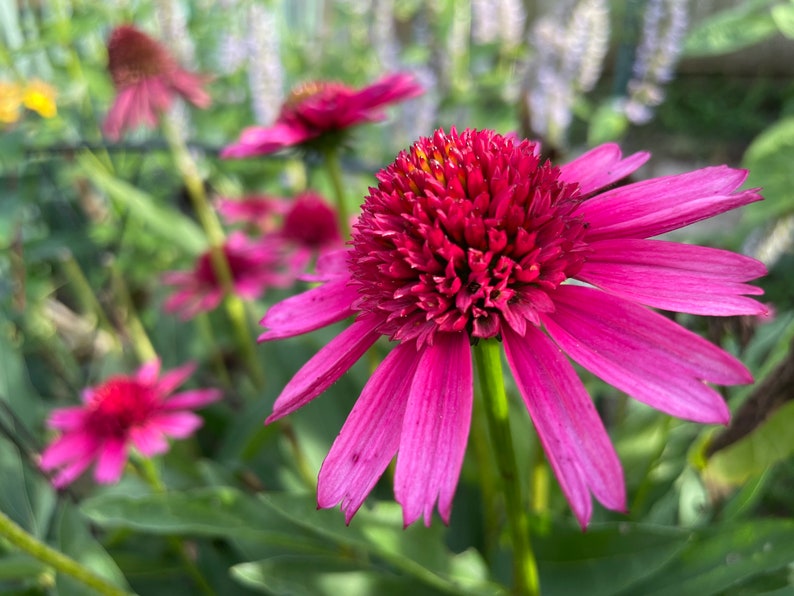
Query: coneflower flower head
{"x":125,"y":411}
{"x":254,"y":267}
{"x":147,"y":79}
{"x":473,"y":237}
{"x":316,"y":115}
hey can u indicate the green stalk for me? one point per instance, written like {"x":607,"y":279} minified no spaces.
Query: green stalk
{"x":141,"y":343}
{"x":55,"y":559}
{"x":235,"y":308}
{"x":334,"y":168}
{"x":487,"y":355}
{"x":149,"y":472}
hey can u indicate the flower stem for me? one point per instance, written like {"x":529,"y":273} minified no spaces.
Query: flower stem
{"x":55,"y":559}
{"x":141,"y":342}
{"x":235,"y":309}
{"x":332,"y":164}
{"x":148,"y":470}
{"x":487,"y":355}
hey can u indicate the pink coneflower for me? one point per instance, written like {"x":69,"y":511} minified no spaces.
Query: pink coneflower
{"x":123,"y":412}
{"x":310,"y":229}
{"x":317,"y":112}
{"x":470,"y":237}
{"x":254,"y":267}
{"x":147,"y":79}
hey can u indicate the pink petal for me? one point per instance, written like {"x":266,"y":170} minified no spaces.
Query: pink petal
{"x":435,"y":429}
{"x":600,"y":167}
{"x":316,"y":308}
{"x":68,"y":447}
{"x":659,"y":205}
{"x":176,"y":424}
{"x":370,"y":436}
{"x":110,"y":464}
{"x":174,"y":378}
{"x":148,"y":373}
{"x":678,"y":277}
{"x":259,"y":140}
{"x":331,"y":265}
{"x":644,"y":354}
{"x":572,"y":434}
{"x":325,"y":368}
{"x":148,"y":440}
{"x":388,"y":89}
{"x":191,"y":400}
{"x":71,"y":472}
{"x":66,"y":419}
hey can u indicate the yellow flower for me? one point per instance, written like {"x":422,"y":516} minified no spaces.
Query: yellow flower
{"x":40,"y":97}
{"x":10,"y":102}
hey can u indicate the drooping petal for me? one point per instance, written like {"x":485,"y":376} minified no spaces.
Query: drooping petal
{"x":370,"y":436}
{"x":258,"y":140}
{"x":111,"y":460}
{"x":677,"y":277}
{"x":311,"y":310}
{"x":66,"y":448}
{"x":435,"y":429}
{"x":656,"y":206}
{"x":600,"y":167}
{"x":644,"y":354}
{"x":572,"y":434}
{"x":176,"y":424}
{"x":66,"y":419}
{"x":190,"y":400}
{"x":70,"y":472}
{"x":148,"y":440}
{"x":325,"y":368}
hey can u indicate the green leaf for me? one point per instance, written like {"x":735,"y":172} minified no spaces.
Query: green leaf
{"x":216,"y":512}
{"x":607,"y":558}
{"x":170,"y":224}
{"x":731,"y":30}
{"x":20,"y":567}
{"x":76,"y":541}
{"x":607,"y":124}
{"x":783,"y":15}
{"x":321,"y":576}
{"x":722,"y":557}
{"x":417,"y":550}
{"x":770,"y":442}
{"x":769,"y":159}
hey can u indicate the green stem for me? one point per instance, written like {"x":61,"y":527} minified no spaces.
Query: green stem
{"x":149,"y":472}
{"x":488,"y":480}
{"x":141,"y":343}
{"x":235,"y":308}
{"x":334,"y":168}
{"x":487,"y":355}
{"x":57,"y":560}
